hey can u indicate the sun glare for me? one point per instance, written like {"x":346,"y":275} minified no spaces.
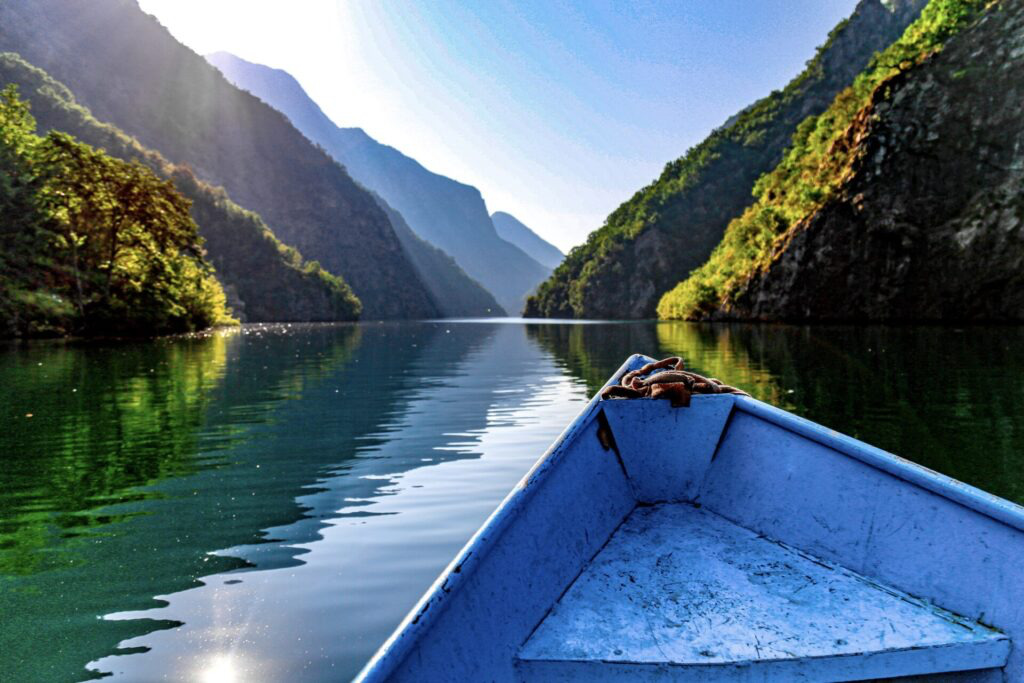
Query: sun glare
{"x":219,"y":669}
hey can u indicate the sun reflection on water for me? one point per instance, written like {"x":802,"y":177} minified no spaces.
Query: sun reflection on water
{"x":219,"y":669}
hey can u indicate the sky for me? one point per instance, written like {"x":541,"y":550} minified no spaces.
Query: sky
{"x":557,"y":111}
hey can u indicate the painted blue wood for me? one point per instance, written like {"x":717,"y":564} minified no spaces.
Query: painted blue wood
{"x":666,"y":451}
{"x":498,"y":588}
{"x":680,"y":588}
{"x":830,"y":497}
{"x":799,"y":671}
{"x":785,"y":478}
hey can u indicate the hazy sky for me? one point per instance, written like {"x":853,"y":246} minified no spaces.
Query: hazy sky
{"x":558,"y":112}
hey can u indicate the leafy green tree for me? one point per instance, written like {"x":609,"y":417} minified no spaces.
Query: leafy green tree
{"x":19,"y":185}
{"x":108,"y":235}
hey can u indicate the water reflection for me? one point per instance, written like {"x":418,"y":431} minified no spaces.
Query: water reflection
{"x":378,"y":526}
{"x":950,"y":399}
{"x":268,"y":504}
{"x":85,"y":433}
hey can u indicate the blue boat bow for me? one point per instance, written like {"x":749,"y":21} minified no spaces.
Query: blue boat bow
{"x":728,"y":540}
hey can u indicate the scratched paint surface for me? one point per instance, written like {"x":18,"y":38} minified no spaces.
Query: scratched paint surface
{"x":678,"y":584}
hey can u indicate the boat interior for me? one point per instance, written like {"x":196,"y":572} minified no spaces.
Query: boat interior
{"x":731,"y":541}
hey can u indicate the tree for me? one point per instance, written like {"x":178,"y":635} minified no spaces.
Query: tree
{"x":127,"y":249}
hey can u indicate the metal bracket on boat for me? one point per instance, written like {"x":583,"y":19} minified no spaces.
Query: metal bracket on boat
{"x":605,"y":435}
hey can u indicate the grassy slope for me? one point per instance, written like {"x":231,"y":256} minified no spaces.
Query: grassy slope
{"x":812,"y":170}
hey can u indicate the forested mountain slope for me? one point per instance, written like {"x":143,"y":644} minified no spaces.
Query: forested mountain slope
{"x":903,"y":201}
{"x":455,"y":294}
{"x":91,"y":245}
{"x":513,"y":230}
{"x":670,"y":227}
{"x":129,"y":71}
{"x":266,"y":281}
{"x":448,"y":214}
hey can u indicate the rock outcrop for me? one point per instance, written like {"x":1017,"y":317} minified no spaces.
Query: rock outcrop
{"x":929,"y":225}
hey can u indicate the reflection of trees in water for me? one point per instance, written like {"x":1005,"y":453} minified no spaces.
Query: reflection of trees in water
{"x":112,"y":429}
{"x":592,"y":353}
{"x":466,"y":386}
{"x":118,"y":491}
{"x":107,"y":422}
{"x":130,"y":483}
{"x":950,"y":400}
{"x":731,"y":353}
{"x":104,"y":421}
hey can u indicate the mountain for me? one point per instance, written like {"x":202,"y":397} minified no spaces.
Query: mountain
{"x":902,"y":201}
{"x":91,"y":245}
{"x":266,"y":281}
{"x":446,"y":213}
{"x":511,"y":229}
{"x":455,"y":294}
{"x":129,"y":71}
{"x":668,"y":228}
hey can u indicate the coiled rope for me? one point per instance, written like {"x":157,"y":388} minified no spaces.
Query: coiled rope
{"x":666,"y":379}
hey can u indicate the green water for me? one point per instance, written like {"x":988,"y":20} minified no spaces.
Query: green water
{"x":266,"y":504}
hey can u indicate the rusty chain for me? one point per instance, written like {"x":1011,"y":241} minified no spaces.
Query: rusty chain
{"x":667,"y":379}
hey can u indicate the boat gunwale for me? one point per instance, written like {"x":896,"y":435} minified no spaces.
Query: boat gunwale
{"x":1002,"y":510}
{"x":394,"y":651}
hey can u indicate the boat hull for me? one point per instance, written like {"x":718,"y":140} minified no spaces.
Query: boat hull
{"x":834,"y":499}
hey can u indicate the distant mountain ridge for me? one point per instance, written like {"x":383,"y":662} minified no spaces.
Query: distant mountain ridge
{"x":455,"y":294}
{"x":667,"y":229}
{"x":128,"y":70}
{"x":513,"y":230}
{"x":448,"y":214}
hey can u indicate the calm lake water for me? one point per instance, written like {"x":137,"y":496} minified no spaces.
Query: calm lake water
{"x":267,"y":504}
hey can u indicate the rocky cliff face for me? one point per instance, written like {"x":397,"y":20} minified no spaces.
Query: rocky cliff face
{"x":930,"y":224}
{"x":669,"y":228}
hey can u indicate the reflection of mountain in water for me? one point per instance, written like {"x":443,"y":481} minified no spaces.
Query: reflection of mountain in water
{"x":318,"y":429}
{"x":466,"y":384}
{"x":948,"y":399}
{"x":181,"y":467}
{"x":592,"y":352}
{"x":724,"y":352}
{"x":88,"y":430}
